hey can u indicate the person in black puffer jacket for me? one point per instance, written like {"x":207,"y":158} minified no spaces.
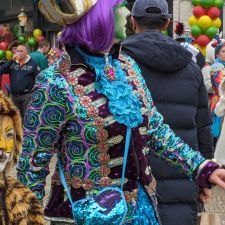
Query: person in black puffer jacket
{"x":178,"y":91}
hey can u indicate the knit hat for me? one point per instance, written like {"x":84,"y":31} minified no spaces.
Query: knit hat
{"x":65,"y":12}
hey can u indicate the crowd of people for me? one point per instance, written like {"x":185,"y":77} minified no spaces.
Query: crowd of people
{"x":23,"y":69}
{"x":128,"y":118}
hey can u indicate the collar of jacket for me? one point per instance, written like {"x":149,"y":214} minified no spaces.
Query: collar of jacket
{"x":27,"y":59}
{"x":77,"y":60}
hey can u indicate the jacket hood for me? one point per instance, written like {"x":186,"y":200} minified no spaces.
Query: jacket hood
{"x":156,"y":51}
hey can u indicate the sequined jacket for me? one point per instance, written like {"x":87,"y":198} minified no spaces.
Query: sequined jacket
{"x":66,"y":115}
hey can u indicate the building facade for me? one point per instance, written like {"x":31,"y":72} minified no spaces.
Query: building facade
{"x":9,"y":10}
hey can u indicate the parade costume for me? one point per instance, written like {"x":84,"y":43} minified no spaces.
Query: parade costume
{"x":220,"y":111}
{"x":217,"y":75}
{"x":81,"y":108}
{"x":18,"y":205}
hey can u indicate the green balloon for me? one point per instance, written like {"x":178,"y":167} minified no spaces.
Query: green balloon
{"x":196,"y":30}
{"x":165,"y":32}
{"x":196,"y":2}
{"x":22,"y":39}
{"x":206,"y":3}
{"x":218,"y":3}
{"x":32,"y":42}
{"x":2,"y":54}
{"x":211,"y":31}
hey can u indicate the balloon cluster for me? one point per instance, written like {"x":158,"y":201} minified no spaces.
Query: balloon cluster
{"x":6,"y":37}
{"x":32,"y":40}
{"x":205,"y":21}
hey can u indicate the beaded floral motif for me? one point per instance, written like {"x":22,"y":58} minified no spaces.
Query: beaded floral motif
{"x":110,"y":72}
{"x":111,"y":81}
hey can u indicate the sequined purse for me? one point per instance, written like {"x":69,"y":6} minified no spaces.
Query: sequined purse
{"x":108,"y":207}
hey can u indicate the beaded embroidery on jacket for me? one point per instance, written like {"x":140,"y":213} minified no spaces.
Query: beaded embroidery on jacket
{"x":62,"y":106}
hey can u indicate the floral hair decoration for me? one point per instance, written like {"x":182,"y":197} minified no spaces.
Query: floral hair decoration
{"x":217,"y":43}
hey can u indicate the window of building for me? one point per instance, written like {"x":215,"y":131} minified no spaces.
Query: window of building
{"x":12,"y":7}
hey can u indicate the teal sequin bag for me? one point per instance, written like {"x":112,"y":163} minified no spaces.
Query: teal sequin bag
{"x":108,"y":207}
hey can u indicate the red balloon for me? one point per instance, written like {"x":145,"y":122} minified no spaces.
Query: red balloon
{"x":4,"y":45}
{"x":199,"y":11}
{"x":202,"y":40}
{"x":213,"y":12}
{"x":40,"y":39}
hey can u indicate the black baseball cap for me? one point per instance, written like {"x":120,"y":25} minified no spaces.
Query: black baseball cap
{"x":151,"y":8}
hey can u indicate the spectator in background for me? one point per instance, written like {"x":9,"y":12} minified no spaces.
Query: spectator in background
{"x":217,"y":74}
{"x":5,"y":84}
{"x":178,"y":91}
{"x":184,"y":38}
{"x":209,"y":60}
{"x":13,"y":46}
{"x":22,"y":72}
{"x":53,"y":55}
{"x":39,"y":56}
{"x":220,"y":111}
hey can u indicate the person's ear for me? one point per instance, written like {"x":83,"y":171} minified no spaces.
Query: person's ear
{"x":134,"y":24}
{"x":167,"y":23}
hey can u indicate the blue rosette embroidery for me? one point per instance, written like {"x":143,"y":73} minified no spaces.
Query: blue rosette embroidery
{"x":111,"y":81}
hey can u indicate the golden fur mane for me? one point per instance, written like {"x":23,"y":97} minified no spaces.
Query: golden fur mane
{"x":8,"y":108}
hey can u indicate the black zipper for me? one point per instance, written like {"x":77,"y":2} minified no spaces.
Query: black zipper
{"x":18,"y":80}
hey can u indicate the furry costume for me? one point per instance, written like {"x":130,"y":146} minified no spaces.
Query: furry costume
{"x":18,"y":205}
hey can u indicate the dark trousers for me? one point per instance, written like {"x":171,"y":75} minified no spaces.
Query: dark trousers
{"x":21,"y":102}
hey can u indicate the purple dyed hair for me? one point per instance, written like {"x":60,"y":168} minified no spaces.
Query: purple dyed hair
{"x":95,"y":30}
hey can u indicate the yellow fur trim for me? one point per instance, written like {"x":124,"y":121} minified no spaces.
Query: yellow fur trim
{"x":8,"y":108}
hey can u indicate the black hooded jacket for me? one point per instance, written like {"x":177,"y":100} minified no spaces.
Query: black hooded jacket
{"x":178,"y":91}
{"x":22,"y":78}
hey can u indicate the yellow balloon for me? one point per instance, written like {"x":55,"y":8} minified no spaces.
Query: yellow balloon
{"x":217,"y":22}
{"x":204,"y":22}
{"x":203,"y":50}
{"x":192,"y":20}
{"x":9,"y":55}
{"x":37,"y":33}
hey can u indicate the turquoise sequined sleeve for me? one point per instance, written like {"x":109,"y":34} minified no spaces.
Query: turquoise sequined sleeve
{"x":161,"y":140}
{"x":46,"y":113}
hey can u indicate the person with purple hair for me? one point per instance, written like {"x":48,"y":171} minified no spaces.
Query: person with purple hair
{"x":93,"y":109}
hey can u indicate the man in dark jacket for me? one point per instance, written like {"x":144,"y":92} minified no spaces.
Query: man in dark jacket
{"x":178,"y":91}
{"x":22,"y":72}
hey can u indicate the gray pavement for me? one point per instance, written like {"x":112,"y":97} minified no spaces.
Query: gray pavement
{"x":217,"y":203}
